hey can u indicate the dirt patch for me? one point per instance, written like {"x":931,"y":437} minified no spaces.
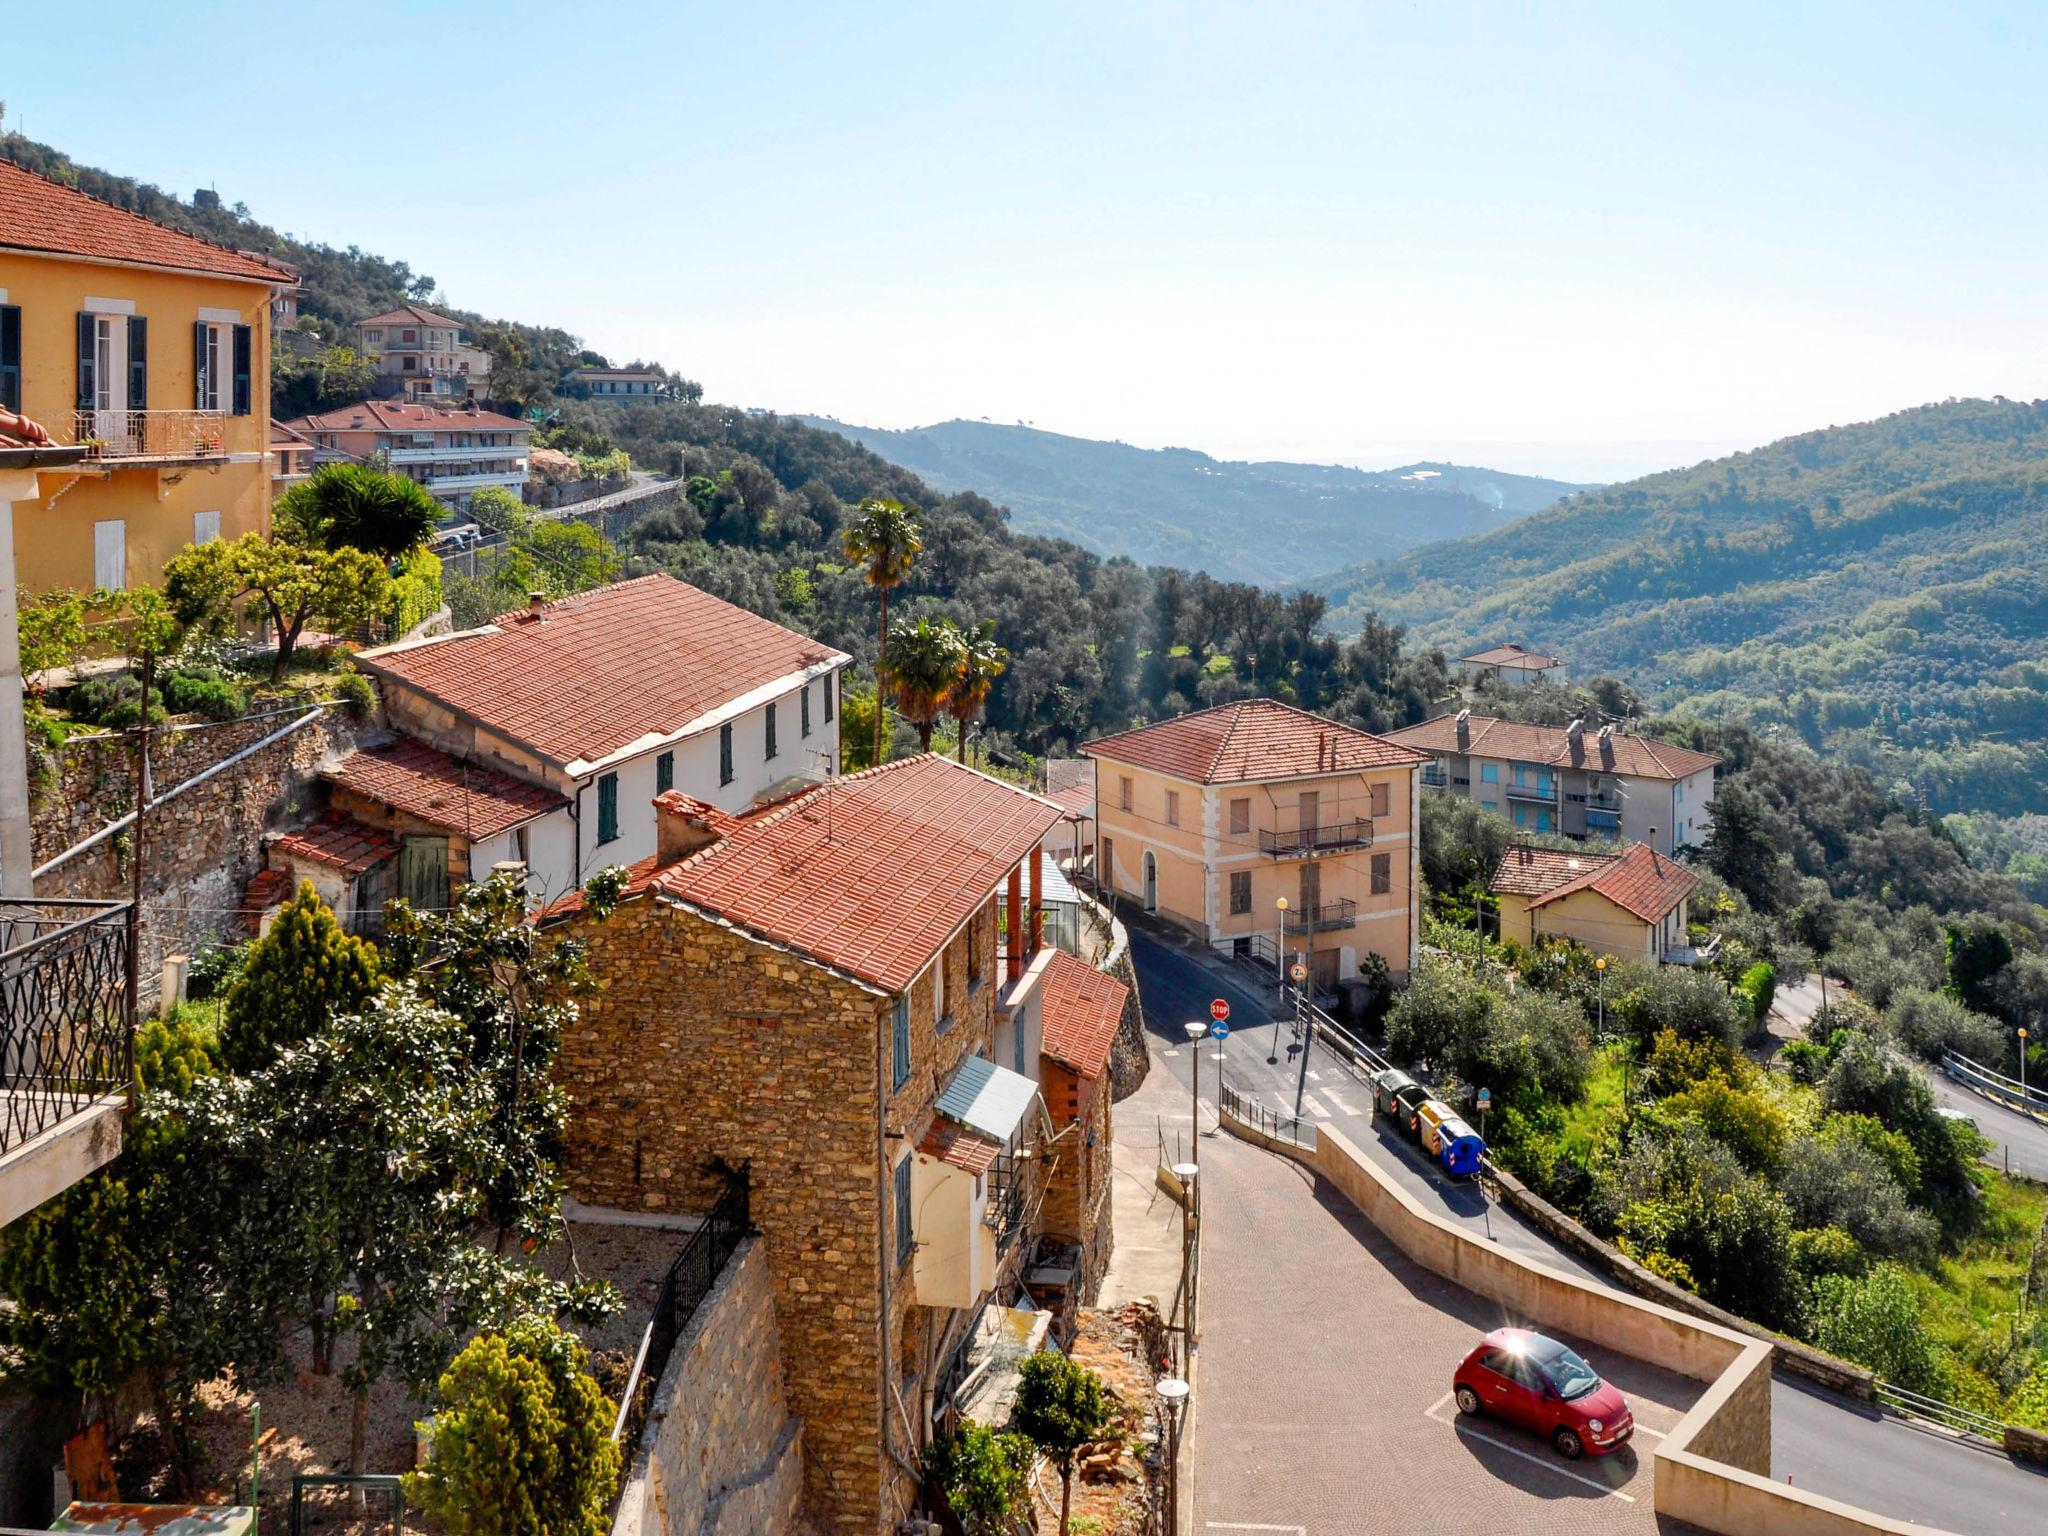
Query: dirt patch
{"x":1114,"y":1479}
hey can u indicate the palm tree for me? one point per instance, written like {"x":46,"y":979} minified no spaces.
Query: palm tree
{"x":883,"y":539}
{"x":356,"y":507}
{"x":982,"y":661}
{"x":923,"y":672}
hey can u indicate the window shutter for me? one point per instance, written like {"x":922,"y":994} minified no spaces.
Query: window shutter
{"x":243,"y":340}
{"x":199,"y":365}
{"x":138,"y":363}
{"x":86,"y":336}
{"x":10,"y":357}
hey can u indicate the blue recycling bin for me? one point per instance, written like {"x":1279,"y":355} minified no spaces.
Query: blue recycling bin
{"x":1459,"y":1148}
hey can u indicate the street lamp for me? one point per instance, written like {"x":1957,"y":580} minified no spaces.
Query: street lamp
{"x":1173,"y":1396}
{"x":1600,"y":966}
{"x":1187,"y":1173}
{"x":2023,"y":1066}
{"x":1280,"y":950}
{"x":1197,"y":1028}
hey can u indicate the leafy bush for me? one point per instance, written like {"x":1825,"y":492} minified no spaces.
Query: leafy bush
{"x":1693,"y":1005}
{"x":357,"y":691}
{"x":215,"y":968}
{"x":1759,"y":984}
{"x":1673,"y":1065}
{"x":415,"y":591}
{"x":203,"y":691}
{"x":127,"y":714}
{"x":1818,"y":1251}
{"x":1743,"y":1120}
{"x":91,"y":699}
{"x":1807,"y":1062}
{"x":1837,"y":1181}
{"x":983,"y":1476}
{"x":1929,"y":1023}
{"x":1874,"y":1320}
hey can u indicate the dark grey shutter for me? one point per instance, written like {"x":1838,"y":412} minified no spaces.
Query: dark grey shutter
{"x":242,"y":344}
{"x":138,"y":363}
{"x":10,"y":357}
{"x":199,"y":329}
{"x":86,"y":337}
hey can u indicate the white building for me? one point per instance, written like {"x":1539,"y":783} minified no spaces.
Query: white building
{"x":1511,"y":666}
{"x":618,"y":383}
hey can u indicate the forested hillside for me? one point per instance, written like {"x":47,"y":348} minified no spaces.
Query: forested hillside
{"x":1880,"y":590}
{"x":1175,"y":506}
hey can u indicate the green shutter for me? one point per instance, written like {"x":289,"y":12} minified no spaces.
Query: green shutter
{"x":138,"y":363}
{"x":87,"y":392}
{"x":10,"y":357}
{"x":664,"y":773}
{"x":608,"y":808}
{"x":243,"y":340}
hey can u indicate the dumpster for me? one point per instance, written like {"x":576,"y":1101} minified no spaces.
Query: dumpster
{"x":1459,"y":1147}
{"x":1430,"y":1116}
{"x":1395,"y":1093}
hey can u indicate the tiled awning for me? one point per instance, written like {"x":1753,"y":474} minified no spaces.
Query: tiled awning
{"x":987,"y":1098}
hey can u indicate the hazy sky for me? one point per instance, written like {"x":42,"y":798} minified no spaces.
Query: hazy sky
{"x":1582,"y":239}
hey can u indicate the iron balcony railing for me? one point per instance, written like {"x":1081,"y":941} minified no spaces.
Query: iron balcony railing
{"x":1299,"y":844}
{"x":1435,"y":778}
{"x":1324,"y":917}
{"x":1005,"y":1209}
{"x":109,"y":437}
{"x":65,"y":1040}
{"x":1545,"y":794}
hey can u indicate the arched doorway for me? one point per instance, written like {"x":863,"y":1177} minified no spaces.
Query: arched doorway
{"x":1151,"y":882}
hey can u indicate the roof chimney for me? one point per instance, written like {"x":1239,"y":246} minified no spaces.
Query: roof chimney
{"x":537,"y":606}
{"x":682,"y":825}
{"x":1576,"y":731}
{"x":1464,"y":729}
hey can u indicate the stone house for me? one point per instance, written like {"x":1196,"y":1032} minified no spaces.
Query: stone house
{"x":1255,"y":824}
{"x":820,"y":990}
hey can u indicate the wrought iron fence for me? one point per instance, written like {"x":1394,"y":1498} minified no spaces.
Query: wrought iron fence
{"x":109,"y":436}
{"x":65,"y":1039}
{"x":683,"y":1289}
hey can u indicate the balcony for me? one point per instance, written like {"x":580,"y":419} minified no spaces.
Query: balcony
{"x":1004,"y":1213}
{"x":510,"y":479}
{"x":162,"y":437}
{"x":1325,"y":917}
{"x":65,"y":1044}
{"x":1537,"y":794}
{"x":1436,"y":778}
{"x":1334,"y":838}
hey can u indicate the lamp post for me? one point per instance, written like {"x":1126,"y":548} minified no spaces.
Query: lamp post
{"x":1173,"y":1396}
{"x":2023,"y":1066}
{"x":1280,"y":950}
{"x":1187,"y":1174}
{"x":1600,"y":970}
{"x":1197,"y":1028}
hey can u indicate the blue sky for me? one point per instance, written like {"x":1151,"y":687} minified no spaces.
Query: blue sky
{"x":1579,"y":239}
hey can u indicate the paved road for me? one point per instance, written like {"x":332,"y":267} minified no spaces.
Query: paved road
{"x":1827,"y":1444}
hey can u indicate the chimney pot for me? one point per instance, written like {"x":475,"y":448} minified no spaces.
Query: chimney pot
{"x":681,"y":828}
{"x":537,"y":604}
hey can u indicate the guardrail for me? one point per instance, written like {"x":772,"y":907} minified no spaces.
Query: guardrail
{"x":1990,"y":1080}
{"x":1965,"y":1421}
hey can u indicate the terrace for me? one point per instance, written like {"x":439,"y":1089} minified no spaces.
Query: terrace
{"x":1333,"y":837}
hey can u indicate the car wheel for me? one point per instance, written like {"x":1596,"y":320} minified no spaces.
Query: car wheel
{"x":1568,"y":1444}
{"x":1468,"y":1402}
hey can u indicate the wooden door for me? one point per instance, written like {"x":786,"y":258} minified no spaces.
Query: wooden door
{"x":423,"y":873}
{"x":1311,"y":807}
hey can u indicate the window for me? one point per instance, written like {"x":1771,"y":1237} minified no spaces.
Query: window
{"x":904,"y":1243}
{"x":1382,"y":873}
{"x":205,"y":527}
{"x":1518,"y":773}
{"x":724,"y":755}
{"x":825,"y":689}
{"x":1520,"y":815}
{"x":900,"y":1038}
{"x":375,"y":333}
{"x":1680,"y":800}
{"x":1240,"y":893}
{"x":1124,"y":793}
{"x":769,"y":735}
{"x":1489,"y":773}
{"x":220,"y":367}
{"x":1173,"y":807}
{"x":110,"y":555}
{"x":608,"y":809}
{"x":803,"y":710}
{"x":664,"y":773}
{"x":10,"y":357}
{"x":410,"y":338}
{"x":1240,"y":815}
{"x":1382,"y":799}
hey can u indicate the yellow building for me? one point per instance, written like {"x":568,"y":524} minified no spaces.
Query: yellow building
{"x":1212,"y":819}
{"x":152,"y":349}
{"x":1631,"y":905}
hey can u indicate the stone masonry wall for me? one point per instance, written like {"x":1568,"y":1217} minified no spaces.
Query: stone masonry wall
{"x":1077,"y":1186}
{"x":721,"y":1454}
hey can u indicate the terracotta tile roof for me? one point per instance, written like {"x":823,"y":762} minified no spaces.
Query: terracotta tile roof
{"x":639,"y":877}
{"x":960,"y":1148}
{"x":1633,"y":756}
{"x":398,"y":416}
{"x":37,"y":214}
{"x":410,"y":314}
{"x":1641,"y":880}
{"x":1076,"y":800}
{"x":422,"y":781}
{"x":1513,"y":655}
{"x":1082,"y":1008}
{"x":336,"y":840}
{"x":267,"y":888}
{"x":871,"y":874}
{"x":674,"y":802}
{"x":1251,"y":740}
{"x":1537,"y":871}
{"x":623,"y":665}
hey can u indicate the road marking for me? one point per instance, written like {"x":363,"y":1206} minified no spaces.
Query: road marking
{"x":1233,"y":1525}
{"x":1315,"y":1077}
{"x":1431,"y":1411}
{"x":1549,"y":1464}
{"x":1342,"y":1107}
{"x":1169,"y":1050}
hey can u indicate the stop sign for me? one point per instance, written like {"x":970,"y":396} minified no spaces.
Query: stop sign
{"x":1219,"y":1010}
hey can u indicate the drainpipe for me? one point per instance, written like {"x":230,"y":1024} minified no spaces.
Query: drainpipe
{"x":576,"y":824}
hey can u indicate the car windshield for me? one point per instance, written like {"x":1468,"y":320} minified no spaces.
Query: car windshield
{"x":1569,"y":1374}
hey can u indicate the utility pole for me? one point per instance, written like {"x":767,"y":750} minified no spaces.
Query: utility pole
{"x":1304,"y":1013}
{"x":142,"y":797}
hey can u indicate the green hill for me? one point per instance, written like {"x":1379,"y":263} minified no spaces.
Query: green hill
{"x":1175,"y":506}
{"x":1880,"y":589}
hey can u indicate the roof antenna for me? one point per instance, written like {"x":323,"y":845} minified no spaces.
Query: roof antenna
{"x":831,"y":770}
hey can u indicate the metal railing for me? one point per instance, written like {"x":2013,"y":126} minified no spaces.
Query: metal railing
{"x":1993,"y":1082}
{"x":1540,"y":794}
{"x":1303,"y":841}
{"x":1435,"y":778}
{"x":1005,"y":1209}
{"x":1267,"y":1122}
{"x":113,"y":435}
{"x":65,"y":1040}
{"x":1965,"y":1421}
{"x":1324,"y":917}
{"x":683,"y":1289}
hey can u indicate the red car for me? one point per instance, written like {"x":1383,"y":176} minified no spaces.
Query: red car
{"x":1540,"y":1384}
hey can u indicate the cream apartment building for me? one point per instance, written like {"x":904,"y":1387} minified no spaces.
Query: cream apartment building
{"x":1213,"y":819}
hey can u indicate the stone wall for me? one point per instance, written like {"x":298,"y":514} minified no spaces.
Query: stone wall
{"x":721,"y":1454}
{"x":200,"y":848}
{"x":1077,"y":1184}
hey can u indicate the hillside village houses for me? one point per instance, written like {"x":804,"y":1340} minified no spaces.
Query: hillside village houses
{"x":819,"y":991}
{"x":452,"y":450}
{"x":1215,"y":819}
{"x":1602,"y":783}
{"x":148,"y":348}
{"x":1511,"y":666}
{"x":1631,"y":904}
{"x":419,"y":354}
{"x":616,"y":383}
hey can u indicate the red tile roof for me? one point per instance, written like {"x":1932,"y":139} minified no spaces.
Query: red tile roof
{"x":44,"y":216}
{"x":1251,"y":740}
{"x":870,"y":874}
{"x":410,"y":314}
{"x":1634,"y":756}
{"x":336,"y":840}
{"x":1513,"y":655}
{"x":267,"y":888}
{"x":1077,"y":800}
{"x":1527,"y":871}
{"x":398,"y":416}
{"x":426,"y":783}
{"x":960,"y":1148}
{"x":1082,"y":1008}
{"x":1640,"y":880}
{"x":608,"y":669}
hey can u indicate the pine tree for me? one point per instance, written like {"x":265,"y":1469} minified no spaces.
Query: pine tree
{"x":302,"y":973}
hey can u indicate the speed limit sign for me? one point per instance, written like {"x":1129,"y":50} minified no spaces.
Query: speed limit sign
{"x":1298,"y":971}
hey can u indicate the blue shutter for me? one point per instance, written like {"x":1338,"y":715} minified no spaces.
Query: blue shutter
{"x":608,"y":808}
{"x":244,"y":339}
{"x":199,"y":381}
{"x":10,"y":357}
{"x":664,"y":773}
{"x":87,"y":335}
{"x":138,"y":363}
{"x":900,"y":1033}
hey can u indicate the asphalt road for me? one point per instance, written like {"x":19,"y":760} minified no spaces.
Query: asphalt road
{"x":1827,"y":1444}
